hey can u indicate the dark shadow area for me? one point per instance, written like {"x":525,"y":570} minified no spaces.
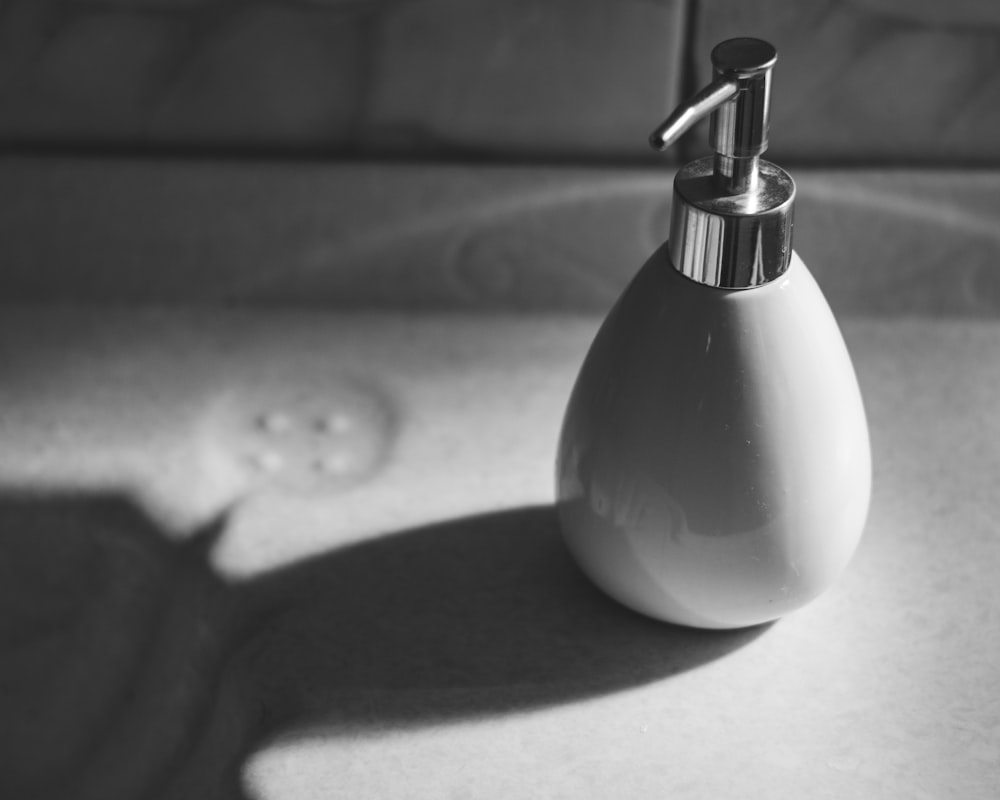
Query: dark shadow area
{"x":115,"y":681}
{"x":470,"y":616}
{"x":129,"y":669}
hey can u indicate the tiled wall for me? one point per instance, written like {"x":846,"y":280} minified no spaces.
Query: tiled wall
{"x":873,"y":81}
{"x":429,"y":90}
{"x":555,"y":79}
{"x":859,"y":80}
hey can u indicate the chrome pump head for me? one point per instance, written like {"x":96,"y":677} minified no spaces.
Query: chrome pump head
{"x":731,"y":223}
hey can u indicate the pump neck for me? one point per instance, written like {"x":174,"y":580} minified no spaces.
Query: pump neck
{"x":732,"y":218}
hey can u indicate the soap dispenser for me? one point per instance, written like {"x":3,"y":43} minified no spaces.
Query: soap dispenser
{"x":714,"y":467}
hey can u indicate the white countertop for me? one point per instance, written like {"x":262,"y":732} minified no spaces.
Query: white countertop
{"x":388,"y":610}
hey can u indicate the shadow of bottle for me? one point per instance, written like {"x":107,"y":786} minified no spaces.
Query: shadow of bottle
{"x":471,"y":616}
{"x":130,"y":669}
{"x":113,"y":640}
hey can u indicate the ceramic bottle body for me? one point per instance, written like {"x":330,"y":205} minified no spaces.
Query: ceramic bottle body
{"x":714,"y":467}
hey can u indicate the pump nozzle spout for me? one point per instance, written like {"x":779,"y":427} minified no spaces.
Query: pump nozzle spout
{"x":739,"y":101}
{"x":689,"y":112}
{"x":731,"y":216}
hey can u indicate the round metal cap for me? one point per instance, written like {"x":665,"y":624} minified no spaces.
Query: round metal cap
{"x":731,"y":241}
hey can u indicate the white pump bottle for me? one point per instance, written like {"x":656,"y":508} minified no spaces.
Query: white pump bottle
{"x":714,"y":467}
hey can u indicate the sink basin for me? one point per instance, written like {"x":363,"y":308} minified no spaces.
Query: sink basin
{"x":290,"y":629}
{"x":256,"y":542}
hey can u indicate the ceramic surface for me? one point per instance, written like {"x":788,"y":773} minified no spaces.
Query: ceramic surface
{"x":714,"y":468}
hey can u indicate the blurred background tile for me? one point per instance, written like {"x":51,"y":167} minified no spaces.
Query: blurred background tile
{"x":528,"y":182}
{"x":860,"y":81}
{"x":560,"y":78}
{"x":265,"y":74}
{"x":870,"y":81}
{"x":542,"y":78}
